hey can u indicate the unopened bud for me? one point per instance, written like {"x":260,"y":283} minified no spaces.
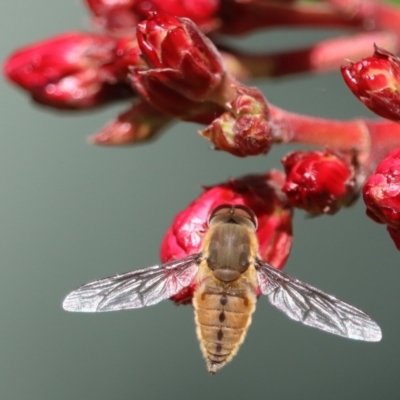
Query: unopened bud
{"x":319,"y":182}
{"x":375,"y":81}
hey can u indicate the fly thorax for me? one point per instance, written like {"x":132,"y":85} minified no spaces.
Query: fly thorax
{"x":229,"y":251}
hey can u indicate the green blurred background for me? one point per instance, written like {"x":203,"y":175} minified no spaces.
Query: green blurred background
{"x":71,"y":212}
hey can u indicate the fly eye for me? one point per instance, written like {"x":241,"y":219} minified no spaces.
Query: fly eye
{"x":246,"y":212}
{"x":234,"y":211}
{"x":223,"y":209}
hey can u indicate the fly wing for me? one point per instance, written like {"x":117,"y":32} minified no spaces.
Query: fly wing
{"x":311,"y":306}
{"x":135,"y":289}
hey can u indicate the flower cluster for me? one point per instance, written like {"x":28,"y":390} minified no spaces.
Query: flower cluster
{"x":168,"y":58}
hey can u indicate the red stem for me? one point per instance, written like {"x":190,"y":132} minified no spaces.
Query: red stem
{"x":374,"y":14}
{"x":372,"y":140}
{"x":387,"y":17}
{"x":244,"y":17}
{"x":385,"y":137}
{"x":296,"y":128}
{"x":324,"y":56}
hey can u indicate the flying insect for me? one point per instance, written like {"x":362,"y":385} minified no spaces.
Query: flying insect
{"x":229,"y":274}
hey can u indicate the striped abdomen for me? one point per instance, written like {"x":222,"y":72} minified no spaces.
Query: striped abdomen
{"x":222,"y":318}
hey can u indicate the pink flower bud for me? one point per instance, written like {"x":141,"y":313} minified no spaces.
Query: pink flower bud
{"x":261,"y":193}
{"x":381,"y":195}
{"x":375,"y":81}
{"x":65,"y":71}
{"x":180,"y":56}
{"x":318,"y":181}
{"x":245,"y":129}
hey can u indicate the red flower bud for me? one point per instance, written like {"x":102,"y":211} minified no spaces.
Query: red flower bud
{"x":172,"y":102}
{"x":57,"y":57}
{"x":381,"y":195}
{"x":201,"y":12}
{"x":180,"y":56}
{"x":375,"y":81}
{"x":65,"y":71}
{"x":139,"y":123}
{"x":318,"y":181}
{"x":125,"y":56}
{"x":395,"y":235}
{"x":122,"y":16}
{"x":261,"y":193}
{"x":116,"y":16}
{"x":245,"y":129}
{"x":102,"y":7}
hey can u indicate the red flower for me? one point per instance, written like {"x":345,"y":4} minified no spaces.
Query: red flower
{"x":180,"y":56}
{"x":66,"y":71}
{"x":381,"y":195}
{"x":318,"y":181}
{"x":261,"y":193}
{"x":376,"y":82}
{"x":245,"y":129}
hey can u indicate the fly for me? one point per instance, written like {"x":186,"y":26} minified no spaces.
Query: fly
{"x":228,"y":274}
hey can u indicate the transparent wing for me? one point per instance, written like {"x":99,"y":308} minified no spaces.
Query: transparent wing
{"x":135,"y":289}
{"x":313,"y":307}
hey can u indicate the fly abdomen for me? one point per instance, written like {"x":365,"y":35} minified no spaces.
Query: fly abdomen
{"x":222,"y":320}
